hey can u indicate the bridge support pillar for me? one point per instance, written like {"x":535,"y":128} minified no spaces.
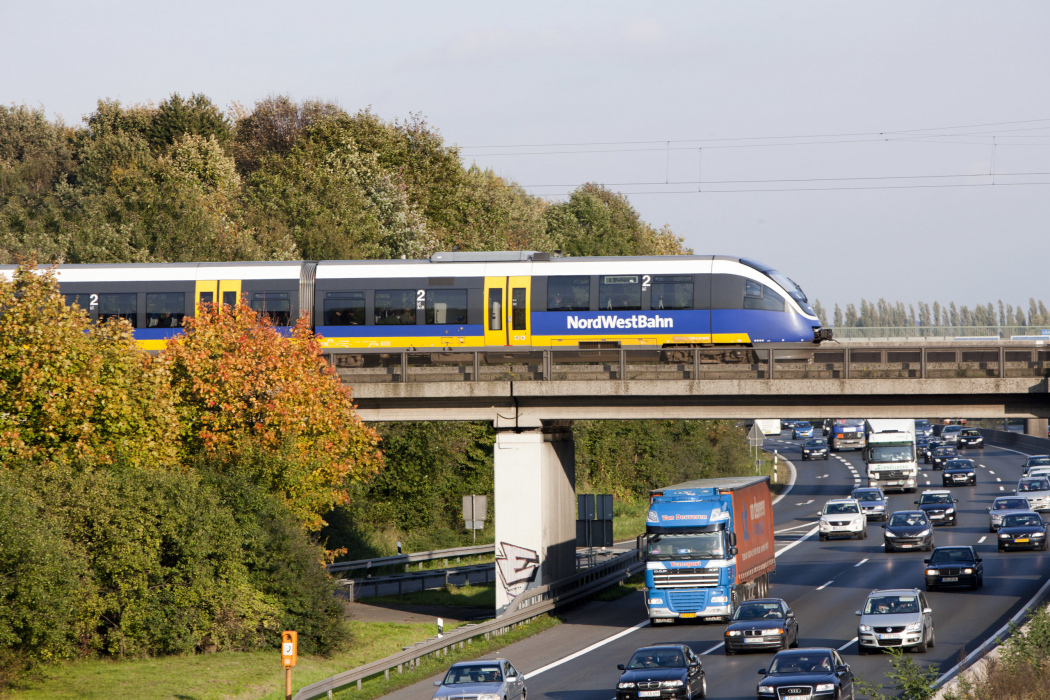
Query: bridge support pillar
{"x":1036,"y":427}
{"x":535,"y":508}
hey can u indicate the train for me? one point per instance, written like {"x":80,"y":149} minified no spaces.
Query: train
{"x":473,"y":301}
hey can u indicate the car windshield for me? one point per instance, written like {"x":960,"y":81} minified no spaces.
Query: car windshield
{"x":1022,"y":520}
{"x":922,"y":423}
{"x":951,"y":429}
{"x":1009,"y":504}
{"x":907,"y":520}
{"x":1033,"y":461}
{"x":701,"y":545}
{"x":894,"y":453}
{"x":971,"y":433}
{"x":475,"y":673}
{"x":802,"y":425}
{"x":657,"y":658}
{"x":1039,"y":471}
{"x":928,"y":498}
{"x":944,"y":555}
{"x":840,"y":508}
{"x":944,"y":451}
{"x":957,"y":464}
{"x":801,"y":663}
{"x":867,"y":495}
{"x":758,"y":611}
{"x":816,"y":442}
{"x":891,"y":605}
{"x":1036,"y":485}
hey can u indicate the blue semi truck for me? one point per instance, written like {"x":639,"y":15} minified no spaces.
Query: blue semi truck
{"x":709,"y":546}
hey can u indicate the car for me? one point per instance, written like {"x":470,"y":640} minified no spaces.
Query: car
{"x":814,"y":448}
{"x":842,"y":517}
{"x":1022,"y":531}
{"x":819,"y":674}
{"x":942,"y":454}
{"x":1036,"y":461}
{"x":766,"y":623}
{"x":872,"y":501}
{"x":1005,"y":505}
{"x":939,"y":506}
{"x":923,"y":428}
{"x":662,"y":671}
{"x":1036,"y":490}
{"x":921,"y":441}
{"x":1039,"y":471}
{"x":932,"y":445}
{"x":801,"y":429}
{"x":959,"y":471}
{"x":496,"y":679}
{"x":787,"y":423}
{"x":954,"y":566}
{"x":898,"y":617}
{"x":950,"y":433}
{"x":909,"y":529}
{"x":970,"y":438}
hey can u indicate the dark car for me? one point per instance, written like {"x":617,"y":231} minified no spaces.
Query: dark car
{"x":939,"y":507}
{"x":806,"y":673}
{"x":762,"y":624}
{"x":921,"y":442}
{"x":815,"y":448}
{"x":954,"y":566}
{"x":909,"y":529}
{"x":970,"y":438}
{"x":923,"y":428}
{"x":666,"y":671}
{"x":942,"y":454}
{"x":873,"y":502}
{"x":1036,"y":461}
{"x":932,"y":445}
{"x":959,"y":471}
{"x":1022,"y":531}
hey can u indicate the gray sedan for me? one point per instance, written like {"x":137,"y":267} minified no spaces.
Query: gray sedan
{"x":485,"y":680}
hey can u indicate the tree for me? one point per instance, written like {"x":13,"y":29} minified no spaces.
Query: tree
{"x":176,"y":117}
{"x":270,"y":406}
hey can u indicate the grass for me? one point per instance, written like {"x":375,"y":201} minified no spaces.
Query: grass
{"x":466,"y":596}
{"x":256,"y":675}
{"x":626,"y":587}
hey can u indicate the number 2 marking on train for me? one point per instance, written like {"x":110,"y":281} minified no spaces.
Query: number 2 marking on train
{"x":421,"y":299}
{"x":94,"y":300}
{"x":646,"y":279}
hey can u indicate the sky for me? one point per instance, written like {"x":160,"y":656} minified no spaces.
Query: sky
{"x":864,"y":119}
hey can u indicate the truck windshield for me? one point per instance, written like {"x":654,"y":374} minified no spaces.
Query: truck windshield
{"x":705,"y":545}
{"x":891,"y":453}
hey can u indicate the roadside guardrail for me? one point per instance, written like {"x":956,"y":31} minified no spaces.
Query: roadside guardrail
{"x":413,"y":558}
{"x":399,"y":584}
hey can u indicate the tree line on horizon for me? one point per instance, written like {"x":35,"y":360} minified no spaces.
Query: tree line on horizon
{"x":883,"y":314}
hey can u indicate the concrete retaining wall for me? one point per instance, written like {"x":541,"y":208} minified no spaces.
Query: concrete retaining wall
{"x":1016,"y":441}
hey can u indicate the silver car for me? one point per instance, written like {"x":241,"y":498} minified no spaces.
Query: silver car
{"x":950,"y":434}
{"x":898,"y":617}
{"x":1036,"y":490}
{"x":496,"y":679}
{"x":1005,"y":505}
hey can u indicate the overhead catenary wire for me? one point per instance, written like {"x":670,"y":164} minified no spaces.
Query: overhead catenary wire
{"x":794,"y":180}
{"x":822,"y":189}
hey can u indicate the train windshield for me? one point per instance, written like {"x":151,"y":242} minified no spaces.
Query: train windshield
{"x":788,"y":284}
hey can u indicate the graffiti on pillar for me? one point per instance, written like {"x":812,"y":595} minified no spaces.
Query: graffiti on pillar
{"x":517,"y":567}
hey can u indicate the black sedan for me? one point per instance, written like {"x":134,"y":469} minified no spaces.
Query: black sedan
{"x":815,"y":448}
{"x":930,"y":447}
{"x":942,"y":454}
{"x":970,"y":438}
{"x":909,"y":529}
{"x":959,"y":471}
{"x":921,"y":443}
{"x":1036,"y":461}
{"x":954,"y":566}
{"x":665,"y":671}
{"x":939,"y":507}
{"x":806,"y":673}
{"x":763,"y":624}
{"x":1022,"y":531}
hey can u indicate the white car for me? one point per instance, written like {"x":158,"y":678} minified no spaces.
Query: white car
{"x":1036,"y":490}
{"x":1039,"y":471}
{"x":843,"y":517}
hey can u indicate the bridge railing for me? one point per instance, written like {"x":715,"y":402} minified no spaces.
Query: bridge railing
{"x":995,"y":332}
{"x":829,"y":361}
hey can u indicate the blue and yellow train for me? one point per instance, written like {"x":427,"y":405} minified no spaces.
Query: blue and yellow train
{"x":476,"y":301}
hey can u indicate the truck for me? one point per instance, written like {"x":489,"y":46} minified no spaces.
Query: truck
{"x":890,"y":455}
{"x":844,"y":433}
{"x":769,"y":426}
{"x":709,"y":546}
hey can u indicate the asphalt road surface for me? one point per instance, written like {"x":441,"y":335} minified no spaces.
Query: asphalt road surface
{"x":823,"y":582}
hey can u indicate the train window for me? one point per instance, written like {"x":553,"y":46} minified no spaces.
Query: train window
{"x":568,"y":293}
{"x":760,"y":296}
{"x":207,"y":297}
{"x":165,"y":310}
{"x":276,"y":305}
{"x":344,"y":309}
{"x":80,"y":300}
{"x":495,"y":309}
{"x":395,"y":307}
{"x":446,"y":306}
{"x":672,"y":292}
{"x":619,"y":293}
{"x":124,"y":306}
{"x":517,"y":309}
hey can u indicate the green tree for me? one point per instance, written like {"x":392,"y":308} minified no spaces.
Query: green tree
{"x":197,"y":116}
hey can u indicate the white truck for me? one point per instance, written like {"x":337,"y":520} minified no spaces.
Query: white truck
{"x":890,"y":455}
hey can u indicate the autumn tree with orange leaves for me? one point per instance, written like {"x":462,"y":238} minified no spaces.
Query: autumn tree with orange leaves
{"x":270,"y":406}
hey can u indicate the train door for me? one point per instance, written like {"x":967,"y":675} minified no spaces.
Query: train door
{"x":207,"y":293}
{"x":497,"y":329}
{"x":229,"y":292}
{"x":519,"y":311}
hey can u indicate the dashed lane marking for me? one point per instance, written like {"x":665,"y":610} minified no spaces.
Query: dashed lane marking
{"x":805,"y":504}
{"x":820,"y":588}
{"x":998,"y":479}
{"x":704,"y":653}
{"x":990,"y":471}
{"x":982,"y":539}
{"x":1001,"y":488}
{"x":591,"y":648}
{"x":844,"y":646}
{"x":859,"y":563}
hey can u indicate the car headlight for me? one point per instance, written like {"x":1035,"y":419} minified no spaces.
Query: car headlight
{"x":967,"y":571}
{"x":969,"y":473}
{"x":931,"y":572}
{"x":913,"y":627}
{"x":950,"y":510}
{"x":825,"y":688}
{"x":889,"y":534}
{"x":865,"y":628}
{"x":671,"y":684}
{"x":656,"y":601}
{"x":1038,"y":534}
{"x":1004,"y":536}
{"x":624,"y":686}
{"x":719,"y":599}
{"x":880,"y":507}
{"x":775,"y":630}
{"x":923,"y":533}
{"x":733,"y":633}
{"x":765,"y":689}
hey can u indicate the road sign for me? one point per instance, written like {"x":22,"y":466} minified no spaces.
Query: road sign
{"x":756,"y":437}
{"x":475,"y":510}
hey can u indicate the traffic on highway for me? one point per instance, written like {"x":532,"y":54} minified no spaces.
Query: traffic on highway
{"x":841,"y":584}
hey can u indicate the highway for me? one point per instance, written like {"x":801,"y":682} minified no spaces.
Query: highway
{"x":823,"y":582}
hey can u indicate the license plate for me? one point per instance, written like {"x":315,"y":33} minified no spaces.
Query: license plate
{"x":648,"y":693}
{"x":960,"y":478}
{"x":688,"y":615}
{"x":896,"y":483}
{"x":1021,"y":539}
{"x":950,"y":579}
{"x":889,"y":636}
{"x":753,"y":640}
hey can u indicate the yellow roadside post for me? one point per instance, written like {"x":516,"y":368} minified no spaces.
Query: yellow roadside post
{"x":289,"y":658}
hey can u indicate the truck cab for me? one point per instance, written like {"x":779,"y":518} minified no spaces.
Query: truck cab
{"x":890,"y":455}
{"x":845,"y":434}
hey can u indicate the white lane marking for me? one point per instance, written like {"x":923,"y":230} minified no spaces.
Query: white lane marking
{"x":927,"y":483}
{"x":591,"y":648}
{"x":798,"y":541}
{"x":1001,"y":488}
{"x":825,"y":476}
{"x":820,"y":588}
{"x":786,"y":529}
{"x":805,"y":504}
{"x":982,"y":539}
{"x":847,"y":644}
{"x":982,"y":466}
{"x":859,"y":563}
{"x":990,"y":471}
{"x":998,"y":479}
{"x":704,"y":653}
{"x":790,"y":484}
